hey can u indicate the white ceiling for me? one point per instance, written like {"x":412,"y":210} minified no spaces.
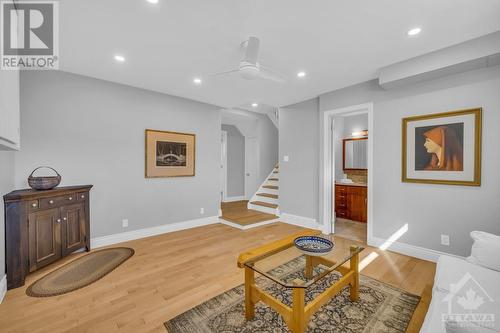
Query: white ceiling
{"x":338,"y":43}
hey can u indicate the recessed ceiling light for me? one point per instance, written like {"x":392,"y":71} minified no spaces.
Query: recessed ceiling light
{"x":197,"y":81}
{"x":414,"y":31}
{"x":119,"y":58}
{"x":152,"y":1}
{"x":254,"y":105}
{"x":301,"y":74}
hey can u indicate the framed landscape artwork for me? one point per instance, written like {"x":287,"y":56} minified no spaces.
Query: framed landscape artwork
{"x":443,"y":148}
{"x":169,"y":154}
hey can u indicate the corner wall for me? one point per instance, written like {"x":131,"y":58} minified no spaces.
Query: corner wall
{"x":299,"y":137}
{"x":6,"y":185}
{"x":92,"y":132}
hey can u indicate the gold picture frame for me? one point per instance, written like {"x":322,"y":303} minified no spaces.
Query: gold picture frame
{"x":169,"y":154}
{"x":457,"y":161}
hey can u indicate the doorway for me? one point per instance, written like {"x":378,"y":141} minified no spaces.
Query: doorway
{"x":251,"y":166}
{"x":233,"y":162}
{"x":346,"y":186}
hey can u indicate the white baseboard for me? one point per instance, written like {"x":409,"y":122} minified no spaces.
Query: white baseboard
{"x":3,"y":287}
{"x":147,"y":232}
{"x":301,"y":221}
{"x":231,"y":199}
{"x":250,"y":226}
{"x":410,"y":250}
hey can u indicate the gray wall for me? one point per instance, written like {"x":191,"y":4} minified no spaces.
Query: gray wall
{"x":355,"y":123}
{"x":268,"y":137}
{"x":430,"y":210}
{"x":299,"y":177}
{"x":92,"y":132}
{"x":235,"y":161}
{"x":6,"y":185}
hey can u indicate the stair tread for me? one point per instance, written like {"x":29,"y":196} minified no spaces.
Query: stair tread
{"x":275,"y":179}
{"x":267,"y":195}
{"x":250,"y":217}
{"x":265,"y":204}
{"x":272,"y":187}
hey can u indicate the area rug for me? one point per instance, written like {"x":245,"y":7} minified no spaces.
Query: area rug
{"x":381,"y":308}
{"x":80,"y":272}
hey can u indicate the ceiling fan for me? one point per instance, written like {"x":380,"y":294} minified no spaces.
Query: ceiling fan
{"x":249,"y":67}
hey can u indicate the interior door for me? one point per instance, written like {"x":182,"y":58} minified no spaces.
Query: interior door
{"x":44,"y":237}
{"x":251,"y":166}
{"x":72,"y":228}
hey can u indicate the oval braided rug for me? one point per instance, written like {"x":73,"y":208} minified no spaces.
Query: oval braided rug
{"x":80,"y":272}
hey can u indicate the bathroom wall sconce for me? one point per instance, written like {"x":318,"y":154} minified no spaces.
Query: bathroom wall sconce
{"x":360,"y":133}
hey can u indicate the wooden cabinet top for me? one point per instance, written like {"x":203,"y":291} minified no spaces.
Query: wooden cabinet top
{"x":29,"y":194}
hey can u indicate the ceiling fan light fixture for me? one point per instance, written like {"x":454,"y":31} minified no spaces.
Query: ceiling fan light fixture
{"x":301,"y":74}
{"x":254,"y":105}
{"x":197,"y":81}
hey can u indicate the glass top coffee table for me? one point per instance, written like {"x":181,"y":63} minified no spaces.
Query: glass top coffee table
{"x":267,"y":261}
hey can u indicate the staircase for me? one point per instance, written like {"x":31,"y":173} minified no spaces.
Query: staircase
{"x":266,"y":197}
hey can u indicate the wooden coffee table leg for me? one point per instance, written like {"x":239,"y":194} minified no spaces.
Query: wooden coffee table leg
{"x":249,"y":284}
{"x":298,"y":309}
{"x":354,"y":266}
{"x":309,"y":267}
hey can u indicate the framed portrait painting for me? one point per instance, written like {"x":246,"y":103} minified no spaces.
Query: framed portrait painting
{"x":169,"y":154}
{"x":443,"y":148}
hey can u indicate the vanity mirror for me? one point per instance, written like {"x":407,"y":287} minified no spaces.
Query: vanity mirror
{"x":355,"y":154}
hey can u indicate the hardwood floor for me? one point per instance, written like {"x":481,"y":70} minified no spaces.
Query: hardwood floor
{"x":237,"y":212}
{"x":173,"y":272}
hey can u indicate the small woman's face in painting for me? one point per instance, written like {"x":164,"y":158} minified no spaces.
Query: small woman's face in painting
{"x":431,"y":146}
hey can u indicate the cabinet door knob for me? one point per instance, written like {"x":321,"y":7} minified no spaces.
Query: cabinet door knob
{"x":58,"y":220}
{"x":64,"y":218}
{"x":51,"y":202}
{"x":33,"y":205}
{"x":70,"y":198}
{"x":83,"y":196}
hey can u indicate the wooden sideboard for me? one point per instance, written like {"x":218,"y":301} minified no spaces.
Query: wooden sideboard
{"x":351,"y":202}
{"x":42,"y":227}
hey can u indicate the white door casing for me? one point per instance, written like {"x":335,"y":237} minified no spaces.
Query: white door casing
{"x":223,"y":166}
{"x":327,"y":165}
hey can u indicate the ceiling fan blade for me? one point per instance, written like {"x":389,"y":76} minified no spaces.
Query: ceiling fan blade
{"x":225,"y":72}
{"x":269,"y":75}
{"x":251,"y":51}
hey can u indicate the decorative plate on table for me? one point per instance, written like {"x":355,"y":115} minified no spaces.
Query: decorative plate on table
{"x":313,"y":245}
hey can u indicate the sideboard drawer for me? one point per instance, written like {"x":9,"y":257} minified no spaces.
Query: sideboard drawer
{"x":81,"y":196}
{"x":57,"y":201}
{"x":33,"y":205}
